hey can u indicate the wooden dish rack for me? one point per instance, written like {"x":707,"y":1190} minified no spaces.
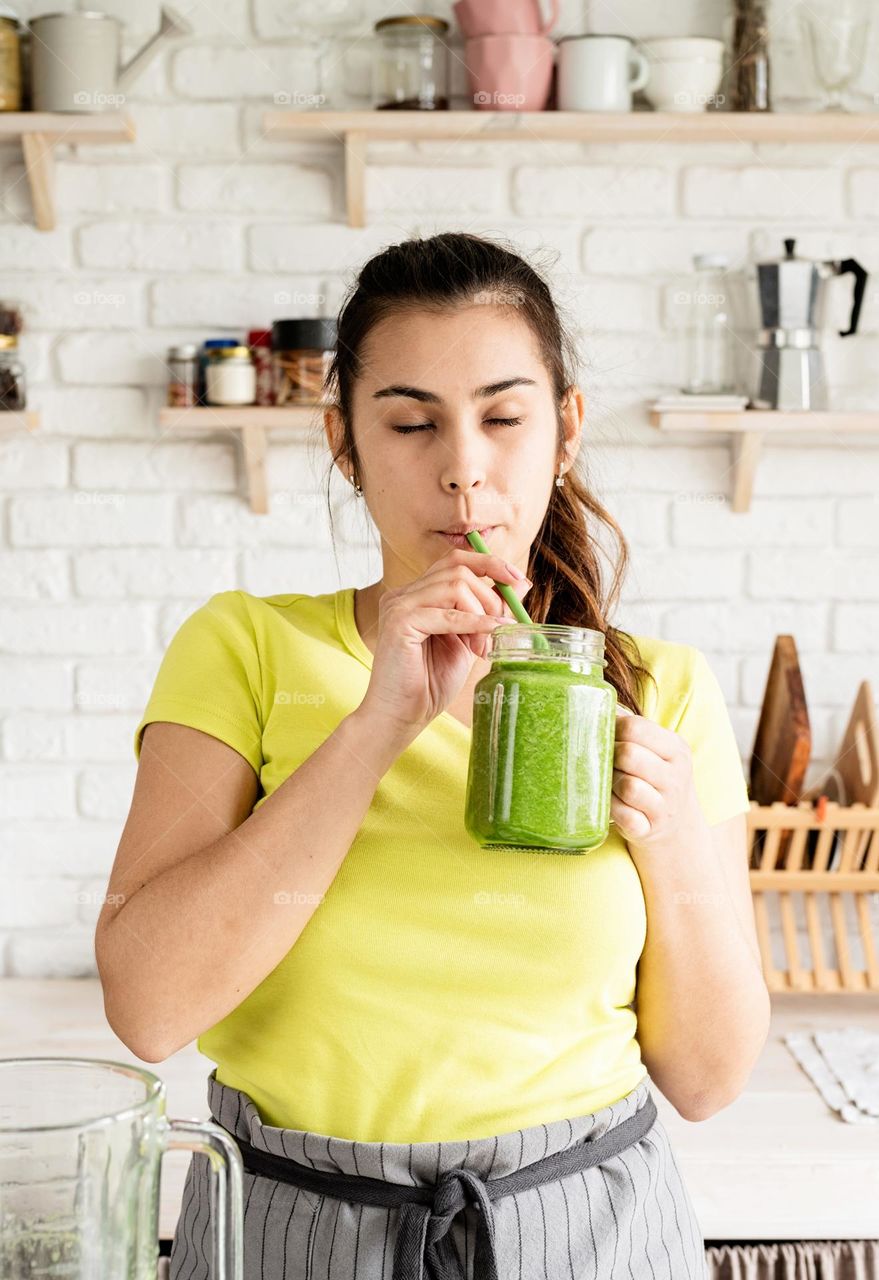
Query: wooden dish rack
{"x":829,"y":875}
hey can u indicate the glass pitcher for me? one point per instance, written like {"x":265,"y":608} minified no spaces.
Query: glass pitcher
{"x":81,"y":1142}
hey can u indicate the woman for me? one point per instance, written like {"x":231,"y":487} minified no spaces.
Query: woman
{"x":435,"y":1056}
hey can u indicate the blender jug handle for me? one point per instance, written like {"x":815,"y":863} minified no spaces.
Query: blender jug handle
{"x":227,"y":1177}
{"x":846,"y":267}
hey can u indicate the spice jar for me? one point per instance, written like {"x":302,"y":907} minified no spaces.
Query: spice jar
{"x":302,"y":352}
{"x":10,"y":64}
{"x":231,"y":377}
{"x":542,"y":741}
{"x":183,"y":368}
{"x":208,"y":347}
{"x":13,"y":397}
{"x":411,"y":68}
{"x":260,"y":343}
{"x":749,"y":57}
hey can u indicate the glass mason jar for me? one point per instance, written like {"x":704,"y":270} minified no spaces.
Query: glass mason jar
{"x":411,"y":70}
{"x":542,"y":745}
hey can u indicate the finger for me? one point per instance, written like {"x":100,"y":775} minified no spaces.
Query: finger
{"x":433,"y":621}
{"x":642,"y":762}
{"x":637,"y":794}
{"x":631,"y":823}
{"x":639,"y":729}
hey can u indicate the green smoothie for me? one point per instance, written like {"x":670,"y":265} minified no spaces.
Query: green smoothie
{"x":541,"y":755}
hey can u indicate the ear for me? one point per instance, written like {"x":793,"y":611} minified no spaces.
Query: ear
{"x":335,"y":435}
{"x":572,"y":410}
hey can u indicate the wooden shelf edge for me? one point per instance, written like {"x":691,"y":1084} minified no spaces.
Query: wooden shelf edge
{"x":748,"y":429}
{"x":40,"y":132}
{"x":68,"y":126}
{"x":28,"y":420}
{"x":579,"y":126}
{"x":251,"y":423}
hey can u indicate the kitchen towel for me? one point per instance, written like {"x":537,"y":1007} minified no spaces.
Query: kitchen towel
{"x":843,"y":1064}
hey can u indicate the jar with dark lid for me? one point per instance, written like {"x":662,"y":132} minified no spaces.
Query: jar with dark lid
{"x":542,"y":741}
{"x":13,"y":393}
{"x":411,"y":69}
{"x":302,"y":351}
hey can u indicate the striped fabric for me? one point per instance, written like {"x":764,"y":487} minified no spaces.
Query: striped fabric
{"x":629,"y":1217}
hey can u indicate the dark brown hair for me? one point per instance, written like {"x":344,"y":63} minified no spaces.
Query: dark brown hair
{"x":456,"y":269}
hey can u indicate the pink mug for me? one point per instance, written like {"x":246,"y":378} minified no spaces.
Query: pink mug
{"x":504,"y":17}
{"x":509,"y":72}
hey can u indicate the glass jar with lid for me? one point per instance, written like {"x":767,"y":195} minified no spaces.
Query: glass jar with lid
{"x":411,"y":68}
{"x":302,"y":352}
{"x":541,"y":761}
{"x":13,"y":392}
{"x":231,"y":376}
{"x":183,"y":379}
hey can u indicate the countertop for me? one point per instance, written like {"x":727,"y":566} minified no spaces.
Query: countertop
{"x":775,"y":1165}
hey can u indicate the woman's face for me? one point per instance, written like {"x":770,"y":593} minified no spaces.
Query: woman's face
{"x":455,"y":423}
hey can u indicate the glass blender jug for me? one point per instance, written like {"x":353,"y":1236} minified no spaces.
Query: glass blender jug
{"x":81,"y":1142}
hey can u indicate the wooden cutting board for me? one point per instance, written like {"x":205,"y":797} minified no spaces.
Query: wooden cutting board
{"x":854,"y":777}
{"x":783,"y":742}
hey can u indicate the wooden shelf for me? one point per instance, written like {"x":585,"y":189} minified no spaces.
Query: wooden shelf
{"x":41,"y":131}
{"x":749,"y":427}
{"x":355,"y":129}
{"x":250,"y":422}
{"x":28,"y":420}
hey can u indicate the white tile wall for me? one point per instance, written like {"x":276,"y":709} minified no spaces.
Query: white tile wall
{"x":113,"y":532}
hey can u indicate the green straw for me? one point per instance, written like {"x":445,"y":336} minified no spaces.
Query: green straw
{"x":477,"y":542}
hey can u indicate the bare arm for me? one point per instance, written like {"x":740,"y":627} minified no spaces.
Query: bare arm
{"x":192,"y":923}
{"x":702,"y":1003}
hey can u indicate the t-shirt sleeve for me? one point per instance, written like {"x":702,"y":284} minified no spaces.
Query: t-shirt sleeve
{"x":705,"y":725}
{"x":209,"y":678}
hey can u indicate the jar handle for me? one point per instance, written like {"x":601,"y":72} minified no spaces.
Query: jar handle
{"x":227,"y":1175}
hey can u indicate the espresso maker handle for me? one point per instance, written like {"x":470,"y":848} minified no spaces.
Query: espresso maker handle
{"x":849,"y":265}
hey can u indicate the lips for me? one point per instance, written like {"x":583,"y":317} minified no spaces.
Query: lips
{"x":467,"y":528}
{"x":460,"y":539}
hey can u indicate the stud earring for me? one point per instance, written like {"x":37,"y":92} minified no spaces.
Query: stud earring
{"x":560,"y":480}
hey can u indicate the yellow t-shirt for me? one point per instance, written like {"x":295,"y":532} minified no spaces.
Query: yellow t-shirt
{"x":441,"y":990}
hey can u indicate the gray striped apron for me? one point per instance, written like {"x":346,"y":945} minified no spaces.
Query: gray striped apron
{"x":596,"y":1197}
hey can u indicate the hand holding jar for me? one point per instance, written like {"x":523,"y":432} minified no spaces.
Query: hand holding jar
{"x":654,"y":792}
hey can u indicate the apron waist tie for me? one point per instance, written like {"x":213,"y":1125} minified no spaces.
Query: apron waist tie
{"x":424,"y":1246}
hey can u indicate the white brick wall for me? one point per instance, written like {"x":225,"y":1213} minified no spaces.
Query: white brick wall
{"x":112,"y":532}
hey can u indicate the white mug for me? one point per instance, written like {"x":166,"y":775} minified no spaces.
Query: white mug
{"x":599,"y":73}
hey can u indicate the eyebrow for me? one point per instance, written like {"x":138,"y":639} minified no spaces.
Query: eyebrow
{"x":430,"y":397}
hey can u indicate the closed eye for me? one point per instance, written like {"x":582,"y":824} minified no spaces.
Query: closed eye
{"x":421,"y":426}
